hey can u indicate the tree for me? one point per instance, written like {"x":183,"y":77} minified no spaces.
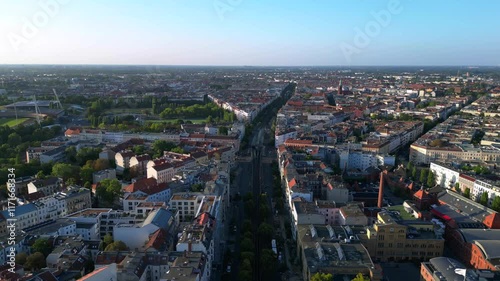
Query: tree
{"x":43,"y":246}
{"x":245,"y":275}
{"x":87,"y":153}
{"x":484,"y":199}
{"x":248,"y":256}
{"x":116,"y":246}
{"x":177,"y":149}
{"x":265,"y":231}
{"x":423,"y":175}
{"x":161,"y":145}
{"x":267,"y":263}
{"x":495,"y":205}
{"x":322,"y":277}
{"x":360,"y":277}
{"x":409,"y":167}
{"x":101,"y":164}
{"x":467,"y":192}
{"x":223,"y":130}
{"x":197,"y":187}
{"x":431,"y":179}
{"x":40,"y":175}
{"x":35,"y":261}
{"x":138,"y":149}
{"x":414,"y":172}
{"x":457,"y":187}
{"x":21,"y":258}
{"x":109,"y":190}
{"x":71,"y":154}
{"x":86,"y":174}
{"x":14,"y":139}
{"x":107,"y":239}
{"x":63,"y":170}
{"x":247,"y":245}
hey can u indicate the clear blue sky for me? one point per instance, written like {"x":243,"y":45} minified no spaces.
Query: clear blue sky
{"x":250,"y":32}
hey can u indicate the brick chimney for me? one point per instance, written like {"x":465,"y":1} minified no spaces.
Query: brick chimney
{"x":380,"y":202}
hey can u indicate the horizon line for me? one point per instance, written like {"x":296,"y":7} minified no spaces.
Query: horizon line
{"x":245,"y":65}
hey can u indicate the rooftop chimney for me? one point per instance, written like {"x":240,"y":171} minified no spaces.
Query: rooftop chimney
{"x":380,"y":202}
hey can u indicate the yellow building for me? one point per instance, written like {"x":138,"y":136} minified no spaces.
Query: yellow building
{"x":391,"y":239}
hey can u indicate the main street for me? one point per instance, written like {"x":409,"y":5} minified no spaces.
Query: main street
{"x":252,"y":175}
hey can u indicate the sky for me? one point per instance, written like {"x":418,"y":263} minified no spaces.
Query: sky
{"x":250,"y":32}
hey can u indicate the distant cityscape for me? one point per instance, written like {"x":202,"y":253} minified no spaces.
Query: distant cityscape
{"x":194,"y":173}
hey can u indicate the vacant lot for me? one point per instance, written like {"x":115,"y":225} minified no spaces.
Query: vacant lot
{"x":12,"y":122}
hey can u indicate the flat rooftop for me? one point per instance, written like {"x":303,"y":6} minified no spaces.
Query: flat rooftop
{"x":92,"y":212}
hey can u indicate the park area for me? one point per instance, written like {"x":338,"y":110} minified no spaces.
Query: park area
{"x":12,"y":122}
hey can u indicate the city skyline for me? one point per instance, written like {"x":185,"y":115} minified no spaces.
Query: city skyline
{"x":235,"y":33}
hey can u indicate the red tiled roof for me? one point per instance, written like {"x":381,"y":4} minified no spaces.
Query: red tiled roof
{"x":467,"y":177}
{"x":144,"y":157}
{"x":146,"y":185}
{"x":163,"y":166}
{"x":72,"y":131}
{"x":34,"y":196}
{"x":292,"y":141}
{"x":157,"y":239}
{"x":419,"y":194}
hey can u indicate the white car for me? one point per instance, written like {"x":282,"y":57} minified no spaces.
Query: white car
{"x":228,"y":269}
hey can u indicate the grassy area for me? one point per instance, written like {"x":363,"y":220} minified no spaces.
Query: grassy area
{"x":12,"y":122}
{"x":404,"y":214}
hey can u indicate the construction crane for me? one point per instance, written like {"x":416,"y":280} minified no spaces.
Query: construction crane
{"x":37,"y":110}
{"x":58,"y":103}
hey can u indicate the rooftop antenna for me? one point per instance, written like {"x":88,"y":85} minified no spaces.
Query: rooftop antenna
{"x":58,"y":103}
{"x":37,"y":110}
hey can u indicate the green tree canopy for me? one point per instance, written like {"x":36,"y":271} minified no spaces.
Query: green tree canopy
{"x":495,"y":205}
{"x":116,"y":246}
{"x":64,"y":170}
{"x":109,"y":190}
{"x":35,"y":261}
{"x":360,"y":277}
{"x":107,"y":239}
{"x":43,"y":246}
{"x":431,"y":179}
{"x":484,"y":199}
{"x":467,"y":192}
{"x":423,"y":175}
{"x":21,"y":258}
{"x":319,"y":276}
{"x":265,"y":231}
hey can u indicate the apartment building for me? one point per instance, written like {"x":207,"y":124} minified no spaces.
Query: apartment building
{"x":48,"y":185}
{"x":389,"y":240}
{"x":321,"y":250}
